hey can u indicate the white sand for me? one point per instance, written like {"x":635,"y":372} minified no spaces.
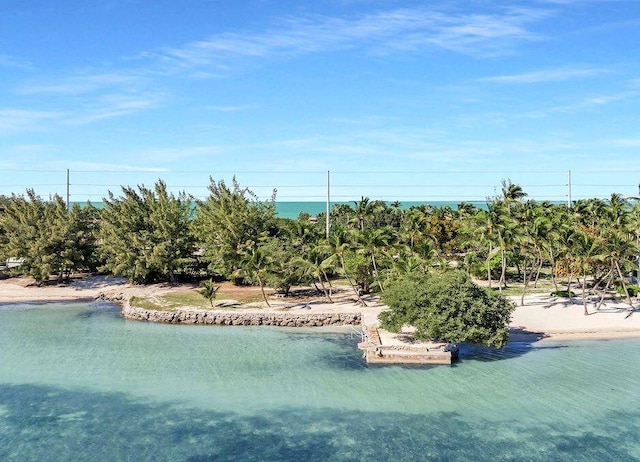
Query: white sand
{"x":17,"y":290}
{"x":557,"y":318}
{"x":542,"y":316}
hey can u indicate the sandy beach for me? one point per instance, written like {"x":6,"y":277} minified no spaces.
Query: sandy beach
{"x":554,"y":318}
{"x":542,"y":317}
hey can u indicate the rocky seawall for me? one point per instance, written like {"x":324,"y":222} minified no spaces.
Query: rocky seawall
{"x":241,"y":318}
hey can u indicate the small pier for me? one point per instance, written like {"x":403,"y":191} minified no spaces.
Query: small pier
{"x":396,"y":352}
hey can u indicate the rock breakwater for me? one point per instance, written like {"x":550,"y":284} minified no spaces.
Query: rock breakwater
{"x":242,"y":318}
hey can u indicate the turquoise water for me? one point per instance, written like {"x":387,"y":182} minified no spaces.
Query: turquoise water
{"x":291,"y":209}
{"x":79,"y":383}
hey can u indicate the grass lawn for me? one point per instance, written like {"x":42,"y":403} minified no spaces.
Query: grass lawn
{"x":192,"y":298}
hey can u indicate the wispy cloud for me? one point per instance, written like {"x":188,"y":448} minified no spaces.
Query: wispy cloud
{"x":626,"y":143}
{"x":577,"y":104}
{"x":21,"y":119}
{"x":232,"y":108}
{"x":82,"y":83}
{"x":388,"y":32}
{"x":547,"y":75}
{"x":112,"y":106}
{"x":85,"y":97}
{"x":587,"y":102}
{"x":479,"y":35}
{"x":97,"y":109}
{"x":12,"y":62}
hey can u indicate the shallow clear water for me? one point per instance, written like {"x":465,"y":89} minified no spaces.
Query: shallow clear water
{"x":79,"y":383}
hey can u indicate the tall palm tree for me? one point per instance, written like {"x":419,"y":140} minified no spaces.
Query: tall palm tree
{"x":338,"y":245}
{"x":412,"y":226}
{"x":511,"y":191}
{"x":316,"y":263}
{"x":255,"y":263}
{"x":501,"y":229}
{"x":364,"y":210}
{"x":586,"y":253}
{"x":372,"y":242}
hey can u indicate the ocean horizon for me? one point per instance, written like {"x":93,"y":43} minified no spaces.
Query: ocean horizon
{"x":292,"y":209}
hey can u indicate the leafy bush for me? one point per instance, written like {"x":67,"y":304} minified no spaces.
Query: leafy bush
{"x":448,"y":307}
{"x":563,"y":293}
{"x":632,"y":291}
{"x":477,"y":265}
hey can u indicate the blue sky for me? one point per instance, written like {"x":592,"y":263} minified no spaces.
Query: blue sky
{"x":398,"y":99}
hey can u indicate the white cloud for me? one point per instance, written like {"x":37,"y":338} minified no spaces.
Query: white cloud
{"x":546,"y":75}
{"x":82,"y":83}
{"x":232,"y":108}
{"x":25,"y":119}
{"x":93,"y":110}
{"x":15,"y":63}
{"x":387,"y":32}
{"x":112,"y":106}
{"x":627,"y":143}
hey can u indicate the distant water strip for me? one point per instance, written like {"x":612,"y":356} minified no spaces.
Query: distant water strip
{"x":292,"y":209}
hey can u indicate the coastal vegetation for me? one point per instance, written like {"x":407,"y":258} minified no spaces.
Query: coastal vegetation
{"x":153,"y":235}
{"x":446,"y":306}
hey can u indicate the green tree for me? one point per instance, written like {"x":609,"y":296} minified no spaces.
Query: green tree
{"x":284,"y":272}
{"x":340,"y":246}
{"x":255,"y":265}
{"x":447,"y":307}
{"x":364,"y":211}
{"x":209,"y":290}
{"x":374,"y":243}
{"x":145,"y":235}
{"x":49,"y":238}
{"x":226,"y":221}
{"x":316,"y":263}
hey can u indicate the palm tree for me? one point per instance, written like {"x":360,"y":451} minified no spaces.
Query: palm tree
{"x":586,"y":253}
{"x":316,"y":263}
{"x":634,"y":226}
{"x":620,"y":252}
{"x":501,"y":228}
{"x":411,"y":228}
{"x":511,"y":192}
{"x":255,"y":263}
{"x":337,"y":245}
{"x":364,"y":210}
{"x":209,"y":291}
{"x":407,"y":264}
{"x":372,"y":242}
{"x":526,"y":245}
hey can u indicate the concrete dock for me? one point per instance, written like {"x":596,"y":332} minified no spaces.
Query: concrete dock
{"x":383,"y":347}
{"x":378,"y":352}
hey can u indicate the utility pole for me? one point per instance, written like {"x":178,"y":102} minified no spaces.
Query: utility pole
{"x":328,"y":217}
{"x":68,"y":203}
{"x":569,"y":190}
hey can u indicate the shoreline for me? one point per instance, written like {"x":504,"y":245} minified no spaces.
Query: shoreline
{"x":569,"y":336}
{"x":543,"y":318}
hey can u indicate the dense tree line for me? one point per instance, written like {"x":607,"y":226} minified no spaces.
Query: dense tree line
{"x":149,"y":234}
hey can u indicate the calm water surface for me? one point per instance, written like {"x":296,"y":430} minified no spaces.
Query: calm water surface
{"x":79,"y":383}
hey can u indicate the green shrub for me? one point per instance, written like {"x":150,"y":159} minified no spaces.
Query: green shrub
{"x":632,"y":291}
{"x":447,"y":307}
{"x":563,"y":293}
